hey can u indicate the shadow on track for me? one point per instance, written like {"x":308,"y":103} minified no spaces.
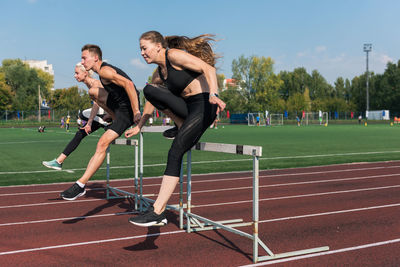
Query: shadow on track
{"x":153,"y":233}
{"x":98,"y":191}
{"x":230,"y":244}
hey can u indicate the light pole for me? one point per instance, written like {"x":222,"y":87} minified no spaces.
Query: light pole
{"x":367,"y":49}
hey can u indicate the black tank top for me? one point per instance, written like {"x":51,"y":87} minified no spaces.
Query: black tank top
{"x":177,"y":80}
{"x":117,"y":92}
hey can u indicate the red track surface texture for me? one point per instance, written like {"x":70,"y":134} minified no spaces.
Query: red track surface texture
{"x":354,"y":209}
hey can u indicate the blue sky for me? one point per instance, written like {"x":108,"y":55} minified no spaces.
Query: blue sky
{"x":315,"y":34}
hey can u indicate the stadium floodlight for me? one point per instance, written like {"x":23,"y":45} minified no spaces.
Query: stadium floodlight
{"x":367,"y":49}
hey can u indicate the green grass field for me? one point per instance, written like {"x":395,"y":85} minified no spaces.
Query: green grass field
{"x":23,"y":150}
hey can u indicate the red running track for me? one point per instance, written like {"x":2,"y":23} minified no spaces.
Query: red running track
{"x":353,"y":208}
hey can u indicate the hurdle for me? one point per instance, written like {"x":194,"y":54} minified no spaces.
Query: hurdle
{"x":113,"y":192}
{"x":144,"y":201}
{"x":195,"y":223}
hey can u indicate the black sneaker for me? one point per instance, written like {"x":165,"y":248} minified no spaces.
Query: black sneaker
{"x":149,"y":218}
{"x":73,"y":192}
{"x":171,"y":133}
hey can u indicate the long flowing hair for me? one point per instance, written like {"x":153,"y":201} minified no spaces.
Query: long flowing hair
{"x":198,"y":46}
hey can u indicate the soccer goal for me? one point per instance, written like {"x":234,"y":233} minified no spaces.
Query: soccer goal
{"x":315,"y":118}
{"x":276,"y":119}
{"x":255,"y":119}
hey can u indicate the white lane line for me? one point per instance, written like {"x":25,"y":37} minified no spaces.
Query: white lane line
{"x":291,"y":184}
{"x":73,"y":170}
{"x":229,"y":203}
{"x":250,"y":177}
{"x":330,"y":213}
{"x":298,"y":196}
{"x":30,"y":142}
{"x":49,"y":203}
{"x":67,"y":218}
{"x":51,"y":192}
{"x":89,"y":242}
{"x":217,"y":161}
{"x":330,"y":252}
{"x":238,"y":172}
{"x":227,"y":189}
{"x":182,"y":231}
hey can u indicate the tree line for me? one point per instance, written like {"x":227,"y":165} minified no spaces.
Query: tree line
{"x":19,"y":89}
{"x":257,"y":88}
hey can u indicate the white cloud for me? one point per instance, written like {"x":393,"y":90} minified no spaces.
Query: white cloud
{"x":320,"y":49}
{"x":385,"y":59}
{"x":301,"y":54}
{"x":138,"y":64}
{"x":333,"y":65}
{"x":337,"y":59}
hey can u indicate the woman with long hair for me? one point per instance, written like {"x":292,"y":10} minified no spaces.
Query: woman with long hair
{"x":184,"y":88}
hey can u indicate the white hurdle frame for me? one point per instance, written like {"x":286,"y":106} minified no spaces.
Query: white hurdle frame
{"x":144,"y":201}
{"x":113,"y":192}
{"x":138,"y":182}
{"x":195,"y":223}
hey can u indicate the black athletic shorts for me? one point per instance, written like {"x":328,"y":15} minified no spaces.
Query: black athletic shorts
{"x":123,"y":115}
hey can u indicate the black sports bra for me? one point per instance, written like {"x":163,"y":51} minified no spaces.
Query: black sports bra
{"x":177,"y":80}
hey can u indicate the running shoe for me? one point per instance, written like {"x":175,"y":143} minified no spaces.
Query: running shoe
{"x":73,"y":192}
{"x":149,"y":218}
{"x":52,"y":164}
{"x":170,"y":133}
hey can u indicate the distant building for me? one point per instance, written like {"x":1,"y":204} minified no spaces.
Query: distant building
{"x":40,"y":64}
{"x":230,"y":83}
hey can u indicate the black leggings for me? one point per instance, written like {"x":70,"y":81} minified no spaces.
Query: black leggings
{"x":198,"y":115}
{"x":80,"y":134}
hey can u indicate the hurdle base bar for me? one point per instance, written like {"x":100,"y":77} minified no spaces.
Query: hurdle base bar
{"x":229,"y":226}
{"x":293,"y":253}
{"x":115,"y":194}
{"x":197,"y":226}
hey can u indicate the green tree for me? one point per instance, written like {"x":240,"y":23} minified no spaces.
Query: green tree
{"x":307,"y":100}
{"x":24,"y":83}
{"x":48,"y":83}
{"x":387,"y":93}
{"x":265,"y":83}
{"x":241,"y":72}
{"x":296,"y":103}
{"x":260,"y":86}
{"x":220,"y":80}
{"x":336,"y":104}
{"x":340,"y":91}
{"x":298,"y":80}
{"x":234,"y":100}
{"x":6,"y":96}
{"x":71,"y":98}
{"x":358,"y":91}
{"x":319,"y":87}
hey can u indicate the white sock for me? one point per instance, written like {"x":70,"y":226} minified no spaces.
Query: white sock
{"x":81,"y":185}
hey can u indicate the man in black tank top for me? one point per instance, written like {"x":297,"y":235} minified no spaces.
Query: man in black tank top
{"x":119,"y":98}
